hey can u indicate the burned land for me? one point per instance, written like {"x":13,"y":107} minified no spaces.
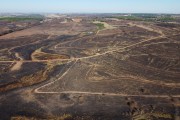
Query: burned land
{"x":90,"y":67}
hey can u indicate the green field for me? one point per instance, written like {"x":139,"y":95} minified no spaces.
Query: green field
{"x":24,"y":18}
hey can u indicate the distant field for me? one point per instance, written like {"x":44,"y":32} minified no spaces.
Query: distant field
{"x":24,"y":18}
{"x":152,"y":18}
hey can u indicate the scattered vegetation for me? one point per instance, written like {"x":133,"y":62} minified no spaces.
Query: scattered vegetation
{"x":166,"y":19}
{"x":147,"y":17}
{"x":129,"y":18}
{"x":21,"y":18}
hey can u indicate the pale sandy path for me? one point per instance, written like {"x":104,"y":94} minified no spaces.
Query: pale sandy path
{"x":36,"y":90}
{"x":18,"y":64}
{"x":109,"y":94}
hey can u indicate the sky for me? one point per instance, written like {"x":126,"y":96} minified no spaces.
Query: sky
{"x":90,"y":6}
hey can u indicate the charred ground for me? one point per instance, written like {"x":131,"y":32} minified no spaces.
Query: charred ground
{"x":90,"y":67}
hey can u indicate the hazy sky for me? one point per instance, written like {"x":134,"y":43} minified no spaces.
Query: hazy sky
{"x":90,"y":6}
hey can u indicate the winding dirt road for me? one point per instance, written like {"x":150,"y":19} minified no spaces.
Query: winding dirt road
{"x":37,"y":90}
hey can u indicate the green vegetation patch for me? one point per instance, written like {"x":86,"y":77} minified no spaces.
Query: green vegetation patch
{"x":23,"y":18}
{"x":166,"y":19}
{"x":100,"y":26}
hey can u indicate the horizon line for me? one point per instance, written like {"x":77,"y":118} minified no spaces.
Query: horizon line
{"x":86,"y":13}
